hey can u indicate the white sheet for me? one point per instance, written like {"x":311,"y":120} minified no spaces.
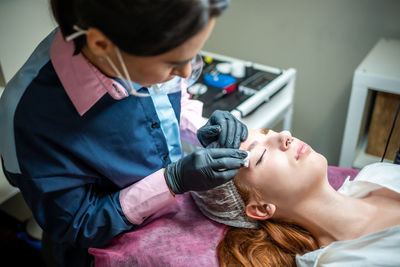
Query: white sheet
{"x":378,"y":249}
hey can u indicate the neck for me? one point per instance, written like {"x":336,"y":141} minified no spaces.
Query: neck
{"x":100,"y":64}
{"x":331,"y":216}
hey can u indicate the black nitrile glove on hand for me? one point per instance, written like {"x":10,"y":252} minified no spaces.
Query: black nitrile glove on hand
{"x":224,"y":129}
{"x":204,"y":169}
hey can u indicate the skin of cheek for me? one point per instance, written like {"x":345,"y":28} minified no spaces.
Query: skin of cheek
{"x":246,"y":177}
{"x":283,"y":182}
{"x":305,"y":179}
{"x":273,"y":177}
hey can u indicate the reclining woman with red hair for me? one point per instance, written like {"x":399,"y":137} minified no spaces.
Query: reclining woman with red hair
{"x":283,"y":211}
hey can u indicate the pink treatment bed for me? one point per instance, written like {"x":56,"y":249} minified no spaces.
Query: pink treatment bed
{"x":177,"y":236}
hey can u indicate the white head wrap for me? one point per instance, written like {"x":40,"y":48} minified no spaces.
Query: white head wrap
{"x":223,"y":204}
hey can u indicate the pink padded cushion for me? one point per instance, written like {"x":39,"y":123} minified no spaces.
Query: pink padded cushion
{"x":337,"y":175}
{"x":177,"y":236}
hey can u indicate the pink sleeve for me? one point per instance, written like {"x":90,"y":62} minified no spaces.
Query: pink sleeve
{"x":191,"y":118}
{"x":144,"y":198}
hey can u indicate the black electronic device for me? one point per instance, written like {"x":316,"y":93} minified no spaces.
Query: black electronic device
{"x":256,"y":82}
{"x":230,"y":101}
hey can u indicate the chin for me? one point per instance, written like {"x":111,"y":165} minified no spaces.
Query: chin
{"x":319,"y":164}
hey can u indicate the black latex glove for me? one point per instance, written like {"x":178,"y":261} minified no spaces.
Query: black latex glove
{"x":204,"y":169}
{"x":224,"y":129}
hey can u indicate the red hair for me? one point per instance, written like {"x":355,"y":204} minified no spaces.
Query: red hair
{"x":275,"y":243}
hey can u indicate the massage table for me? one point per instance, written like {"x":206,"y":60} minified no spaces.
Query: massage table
{"x":177,"y":236}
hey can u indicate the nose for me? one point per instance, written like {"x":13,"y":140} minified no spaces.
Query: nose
{"x":285,"y":138}
{"x":183,"y":71}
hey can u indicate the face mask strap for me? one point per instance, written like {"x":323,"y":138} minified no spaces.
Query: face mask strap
{"x":125,"y":70}
{"x":79,"y":32}
{"x":126,"y":81}
{"x":119,"y":75}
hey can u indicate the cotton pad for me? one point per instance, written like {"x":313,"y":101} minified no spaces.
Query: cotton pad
{"x":247,"y":160}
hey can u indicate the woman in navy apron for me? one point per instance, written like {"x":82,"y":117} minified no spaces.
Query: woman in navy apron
{"x":92,"y":123}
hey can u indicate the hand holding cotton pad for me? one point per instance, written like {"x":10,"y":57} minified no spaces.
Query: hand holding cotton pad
{"x":247,"y":160}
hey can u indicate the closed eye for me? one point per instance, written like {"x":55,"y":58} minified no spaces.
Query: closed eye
{"x":260,"y":159}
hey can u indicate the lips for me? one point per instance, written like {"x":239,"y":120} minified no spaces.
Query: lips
{"x":302,"y":149}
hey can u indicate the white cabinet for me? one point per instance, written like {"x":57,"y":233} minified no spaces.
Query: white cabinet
{"x":379,"y":71}
{"x":23,"y":24}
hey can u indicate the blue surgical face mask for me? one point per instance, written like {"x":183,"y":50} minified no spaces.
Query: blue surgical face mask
{"x":171,"y":86}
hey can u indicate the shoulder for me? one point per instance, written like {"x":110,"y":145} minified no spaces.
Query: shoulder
{"x":385,"y":192}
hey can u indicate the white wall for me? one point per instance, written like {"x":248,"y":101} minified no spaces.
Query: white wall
{"x":324,"y":40}
{"x":23,"y":24}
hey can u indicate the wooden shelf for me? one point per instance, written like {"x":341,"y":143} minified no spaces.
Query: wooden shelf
{"x":362,"y":158}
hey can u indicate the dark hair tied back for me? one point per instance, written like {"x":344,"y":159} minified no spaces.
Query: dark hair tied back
{"x":138,"y":27}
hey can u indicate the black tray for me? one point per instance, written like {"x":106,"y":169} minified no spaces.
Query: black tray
{"x":228,"y":102}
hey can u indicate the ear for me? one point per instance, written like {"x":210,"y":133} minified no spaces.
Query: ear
{"x":260,"y":211}
{"x":98,"y":43}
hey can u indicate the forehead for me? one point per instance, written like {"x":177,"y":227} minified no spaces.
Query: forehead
{"x":254,"y":137}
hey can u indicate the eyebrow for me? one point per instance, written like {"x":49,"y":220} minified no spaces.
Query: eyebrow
{"x":252,"y":145}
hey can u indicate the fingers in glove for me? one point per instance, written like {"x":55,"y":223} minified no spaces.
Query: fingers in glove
{"x":217,"y":153}
{"x":223,"y":164}
{"x":216,"y":116}
{"x":213,"y":144}
{"x":230,"y":133}
{"x":245,"y":133}
{"x":225,"y":176}
{"x":220,"y":118}
{"x":224,"y":129}
{"x":208,"y":134}
{"x":240,"y":127}
{"x":212,"y":130}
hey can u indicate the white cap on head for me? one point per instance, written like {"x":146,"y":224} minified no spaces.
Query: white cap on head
{"x":223,"y":204}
